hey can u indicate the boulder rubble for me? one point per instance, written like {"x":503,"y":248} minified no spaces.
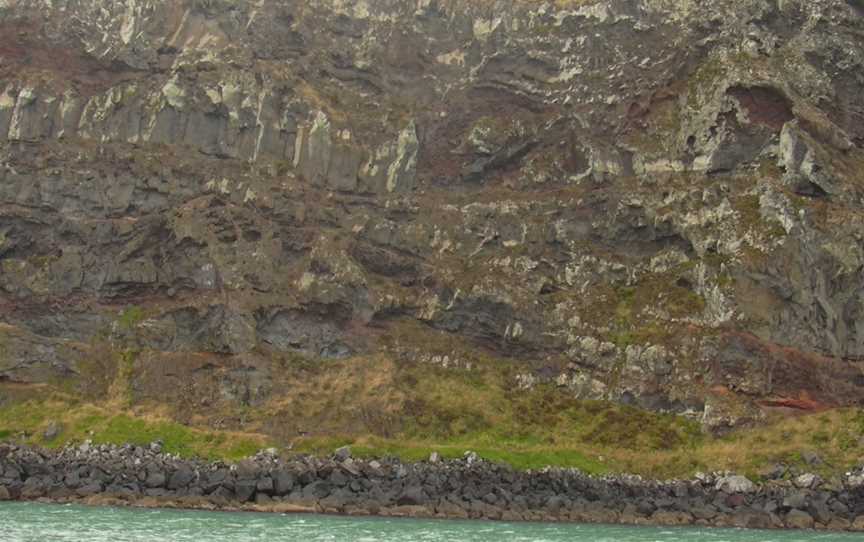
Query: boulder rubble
{"x":462,"y":488}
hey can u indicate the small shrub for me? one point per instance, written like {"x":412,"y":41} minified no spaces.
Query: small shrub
{"x":130,"y":318}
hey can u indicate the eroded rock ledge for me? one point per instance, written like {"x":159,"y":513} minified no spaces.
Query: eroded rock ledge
{"x":655,"y":203}
{"x":466,"y":488}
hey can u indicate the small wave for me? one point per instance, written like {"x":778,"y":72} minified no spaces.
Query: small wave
{"x":28,"y":522}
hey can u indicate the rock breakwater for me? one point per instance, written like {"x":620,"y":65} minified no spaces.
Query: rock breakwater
{"x":464,"y":488}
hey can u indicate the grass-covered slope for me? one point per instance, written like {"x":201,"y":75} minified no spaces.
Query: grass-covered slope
{"x":381,"y":407}
{"x":103,"y":424}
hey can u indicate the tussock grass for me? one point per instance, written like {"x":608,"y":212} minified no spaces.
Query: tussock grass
{"x":834,"y":435}
{"x":408,"y":410}
{"x":452,"y":411}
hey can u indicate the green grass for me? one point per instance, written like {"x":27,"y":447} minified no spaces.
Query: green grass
{"x":530,"y":430}
{"x":130,"y":318}
{"x":409,"y":410}
{"x":177,"y":438}
{"x":27,"y":421}
{"x":480,"y":408}
{"x":451,"y":411}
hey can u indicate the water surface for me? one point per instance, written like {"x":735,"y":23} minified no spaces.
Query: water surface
{"x":30,"y":522}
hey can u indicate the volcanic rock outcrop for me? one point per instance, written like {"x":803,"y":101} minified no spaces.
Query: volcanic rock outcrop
{"x":656,"y":202}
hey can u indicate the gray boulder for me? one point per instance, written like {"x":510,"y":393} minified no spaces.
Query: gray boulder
{"x":283,"y":482}
{"x":52,"y":431}
{"x":807,"y":481}
{"x":735,"y":484}
{"x":799,"y":519}
{"x":265,"y":485}
{"x":796,"y":500}
{"x":811,"y":458}
{"x":343,"y":453}
{"x":182,"y":477}
{"x":412,"y":496}
{"x":244,"y":490}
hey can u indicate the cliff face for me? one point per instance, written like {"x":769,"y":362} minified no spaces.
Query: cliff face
{"x":655,"y":202}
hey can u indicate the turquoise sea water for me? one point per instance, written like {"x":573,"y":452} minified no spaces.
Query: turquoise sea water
{"x":20,"y":522}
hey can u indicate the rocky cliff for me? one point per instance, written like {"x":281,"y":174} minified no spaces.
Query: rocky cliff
{"x":653,"y":202}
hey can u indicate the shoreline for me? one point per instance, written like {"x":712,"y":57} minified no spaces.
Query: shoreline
{"x":469,"y":488}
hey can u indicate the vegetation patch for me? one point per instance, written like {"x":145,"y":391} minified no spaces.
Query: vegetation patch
{"x":453,"y":411}
{"x":640,"y":310}
{"x":406,"y":409}
{"x":130,"y":318}
{"x":750,"y":214}
{"x":177,"y":439}
{"x":26,"y":422}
